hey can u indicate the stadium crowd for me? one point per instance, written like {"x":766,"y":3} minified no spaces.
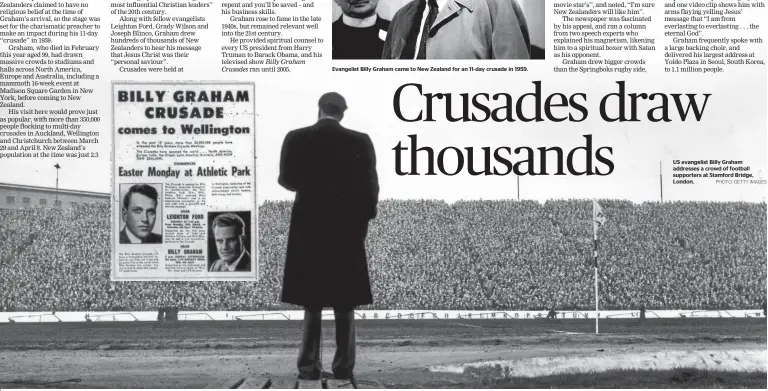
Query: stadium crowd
{"x":426,"y":254}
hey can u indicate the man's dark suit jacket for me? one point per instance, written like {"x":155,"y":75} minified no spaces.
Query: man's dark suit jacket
{"x":245,"y":263}
{"x":151,"y":238}
{"x":333,"y":172}
{"x":243,"y":266}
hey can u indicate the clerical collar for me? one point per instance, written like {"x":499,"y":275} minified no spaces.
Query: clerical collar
{"x":359,"y":23}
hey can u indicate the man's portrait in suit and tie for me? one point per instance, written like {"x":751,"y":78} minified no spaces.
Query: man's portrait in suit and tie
{"x":459,"y":30}
{"x":139,"y":212}
{"x":228,"y":242}
{"x":332,"y":170}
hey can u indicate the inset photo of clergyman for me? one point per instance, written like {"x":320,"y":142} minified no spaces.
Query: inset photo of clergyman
{"x":141,"y":220}
{"x":438,"y":29}
{"x":229,"y":236}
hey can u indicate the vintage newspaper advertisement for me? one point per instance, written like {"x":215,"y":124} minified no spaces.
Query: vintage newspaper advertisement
{"x":476,"y":193}
{"x":184,"y":181}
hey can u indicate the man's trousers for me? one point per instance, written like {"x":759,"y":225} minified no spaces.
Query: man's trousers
{"x":310,"y":355}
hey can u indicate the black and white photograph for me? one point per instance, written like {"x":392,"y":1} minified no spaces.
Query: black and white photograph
{"x":245,"y":195}
{"x":229,"y":241}
{"x":141,"y":213}
{"x":438,"y":29}
{"x":390,"y":259}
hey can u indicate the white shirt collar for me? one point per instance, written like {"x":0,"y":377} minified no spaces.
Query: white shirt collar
{"x":233,"y":266}
{"x":440,"y":4}
{"x":359,"y":23}
{"x":133,"y":238}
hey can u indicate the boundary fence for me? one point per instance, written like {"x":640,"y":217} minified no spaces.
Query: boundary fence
{"x":148,"y":316}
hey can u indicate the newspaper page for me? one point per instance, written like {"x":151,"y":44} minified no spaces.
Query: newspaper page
{"x":479,"y":193}
{"x":184,"y":180}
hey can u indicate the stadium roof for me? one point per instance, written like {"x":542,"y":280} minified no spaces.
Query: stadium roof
{"x":53,"y":190}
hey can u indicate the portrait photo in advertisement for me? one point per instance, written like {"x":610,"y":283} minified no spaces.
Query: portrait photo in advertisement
{"x":229,"y":241}
{"x":142,"y":221}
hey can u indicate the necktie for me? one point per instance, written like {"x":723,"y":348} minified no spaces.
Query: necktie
{"x":427,"y":26}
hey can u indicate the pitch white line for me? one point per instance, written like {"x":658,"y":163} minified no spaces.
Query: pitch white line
{"x":467,"y":325}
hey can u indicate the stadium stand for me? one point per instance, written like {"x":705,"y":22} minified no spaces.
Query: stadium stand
{"x":425,"y":254}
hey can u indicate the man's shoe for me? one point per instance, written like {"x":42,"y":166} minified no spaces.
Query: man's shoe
{"x":346,"y":377}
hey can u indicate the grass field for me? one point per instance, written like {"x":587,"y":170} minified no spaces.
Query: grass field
{"x":655,"y":353}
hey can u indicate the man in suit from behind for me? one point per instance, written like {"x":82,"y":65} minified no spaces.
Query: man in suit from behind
{"x":229,"y":234}
{"x":140,"y":213}
{"x":333,"y":171}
